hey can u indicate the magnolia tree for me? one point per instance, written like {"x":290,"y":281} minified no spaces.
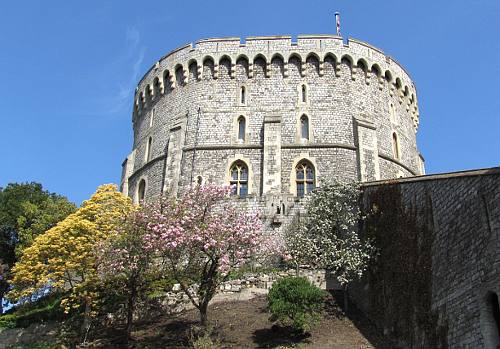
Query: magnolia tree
{"x":327,"y":237}
{"x":124,"y":264}
{"x":199,"y":238}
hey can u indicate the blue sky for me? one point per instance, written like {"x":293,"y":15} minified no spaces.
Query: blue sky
{"x":68,"y":71}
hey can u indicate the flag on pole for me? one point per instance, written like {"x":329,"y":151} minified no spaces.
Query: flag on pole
{"x":337,"y":23}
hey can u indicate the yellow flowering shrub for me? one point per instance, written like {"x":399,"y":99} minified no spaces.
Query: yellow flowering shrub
{"x":64,"y":256}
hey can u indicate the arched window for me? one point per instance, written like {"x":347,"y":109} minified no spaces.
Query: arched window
{"x":304,"y":178}
{"x":141,"y":191}
{"x":303,"y":94}
{"x":395,"y":146}
{"x":304,"y":127}
{"x":241,"y":128}
{"x":239,"y":179}
{"x":199,"y":180}
{"x":242,"y":95}
{"x":490,"y":320}
{"x":147,"y":154}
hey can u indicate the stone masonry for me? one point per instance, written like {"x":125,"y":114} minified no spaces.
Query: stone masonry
{"x":360,"y":105}
{"x":462,"y":213}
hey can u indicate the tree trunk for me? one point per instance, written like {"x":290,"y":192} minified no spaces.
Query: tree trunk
{"x":346,"y":299}
{"x":203,"y":314}
{"x":130,"y":312}
{"x":86,"y":320}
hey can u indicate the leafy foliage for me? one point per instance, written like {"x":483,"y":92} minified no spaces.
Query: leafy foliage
{"x":26,"y":211}
{"x":63,"y":258}
{"x":328,"y":236}
{"x":295,"y":301}
{"x":44,"y":309}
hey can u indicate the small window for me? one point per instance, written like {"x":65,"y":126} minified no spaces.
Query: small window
{"x":395,"y":146}
{"x":392,"y":113}
{"x":239,"y":179}
{"x":241,"y":128}
{"x":304,"y":127}
{"x":243,"y":96}
{"x":304,"y":177}
{"x":147,"y":154}
{"x":141,"y":191}
{"x":151,"y":118}
{"x":303,"y":94}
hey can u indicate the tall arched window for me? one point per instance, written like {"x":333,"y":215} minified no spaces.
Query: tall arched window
{"x":303,"y":94}
{"x":241,"y":128}
{"x":304,"y":127}
{"x":304,"y":178}
{"x":243,"y":97}
{"x":395,"y":146}
{"x":147,"y":154}
{"x":141,"y":191}
{"x":239,"y":179}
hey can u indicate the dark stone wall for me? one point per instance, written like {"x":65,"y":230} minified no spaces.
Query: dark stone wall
{"x":438,"y":269}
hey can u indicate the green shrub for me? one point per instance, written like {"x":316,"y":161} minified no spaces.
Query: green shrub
{"x":44,"y":309}
{"x":8,"y":321}
{"x":296,"y":302}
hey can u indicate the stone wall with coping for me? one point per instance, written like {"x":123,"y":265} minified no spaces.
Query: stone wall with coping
{"x":449,"y":231}
{"x":175,"y":300}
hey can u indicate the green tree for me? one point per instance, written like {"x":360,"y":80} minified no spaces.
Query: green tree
{"x":26,"y":211}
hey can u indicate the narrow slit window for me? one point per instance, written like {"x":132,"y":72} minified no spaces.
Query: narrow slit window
{"x":304,"y":93}
{"x":243,"y":95}
{"x":392,"y":113}
{"x":241,"y":128}
{"x":304,"y":127}
{"x":141,"y":191}
{"x":147,"y":155}
{"x":151,"y":118}
{"x":395,"y":146}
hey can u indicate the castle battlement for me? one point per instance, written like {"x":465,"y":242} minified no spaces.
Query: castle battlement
{"x":360,"y":56}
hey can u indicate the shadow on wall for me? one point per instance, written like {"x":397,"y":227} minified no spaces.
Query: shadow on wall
{"x":490,"y":320}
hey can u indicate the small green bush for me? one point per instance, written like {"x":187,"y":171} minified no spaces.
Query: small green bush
{"x":8,"y":321}
{"x":296,"y":302}
{"x":44,"y":309}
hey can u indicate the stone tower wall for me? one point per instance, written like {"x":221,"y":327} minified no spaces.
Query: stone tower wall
{"x":189,"y":103}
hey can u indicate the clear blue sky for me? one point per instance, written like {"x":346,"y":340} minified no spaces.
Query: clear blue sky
{"x":68,"y":71}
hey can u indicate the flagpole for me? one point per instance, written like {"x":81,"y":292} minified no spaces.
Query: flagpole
{"x":337,"y":23}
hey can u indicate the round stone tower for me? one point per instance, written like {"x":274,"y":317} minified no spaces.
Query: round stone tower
{"x":272,"y":117}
